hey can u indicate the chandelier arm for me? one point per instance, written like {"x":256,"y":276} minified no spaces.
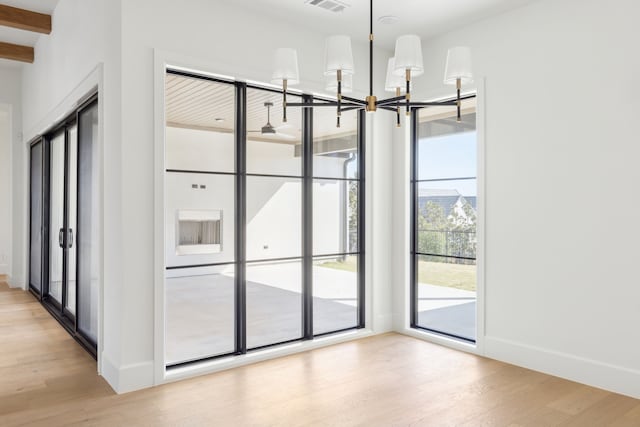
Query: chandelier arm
{"x":354,"y":100}
{"x":359,"y":107}
{"x":323,"y":104}
{"x":392,"y":109}
{"x":390,"y":100}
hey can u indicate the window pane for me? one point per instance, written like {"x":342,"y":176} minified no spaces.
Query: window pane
{"x":274,"y":302}
{"x":335,"y":294}
{"x":447,"y":218}
{"x":201,"y":199}
{"x":446,"y":291}
{"x":335,"y":216}
{"x":200,"y":313}
{"x":274,"y":217}
{"x":200,"y":124}
{"x":335,"y":150}
{"x":446,"y":149}
{"x":273,"y":147}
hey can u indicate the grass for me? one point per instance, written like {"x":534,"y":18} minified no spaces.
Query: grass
{"x":456,"y":276}
{"x":350,"y":264}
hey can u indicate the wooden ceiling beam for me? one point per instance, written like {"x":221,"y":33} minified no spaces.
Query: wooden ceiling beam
{"x":25,"y":19}
{"x":16,"y":52}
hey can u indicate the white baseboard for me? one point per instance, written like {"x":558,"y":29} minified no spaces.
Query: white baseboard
{"x":16,"y":283}
{"x":127,"y":378}
{"x":230,"y":362}
{"x":383,"y":324}
{"x":4,"y":269}
{"x":590,"y":372}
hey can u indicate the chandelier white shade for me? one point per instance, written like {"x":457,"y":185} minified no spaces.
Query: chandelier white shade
{"x":393,"y":81}
{"x":338,"y":56}
{"x":408,"y":55}
{"x":285,"y":66}
{"x":458,"y":66}
{"x":332,"y":83}
{"x":406,"y":64}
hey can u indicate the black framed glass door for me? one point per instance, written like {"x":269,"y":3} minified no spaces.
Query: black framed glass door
{"x":63,"y":270}
{"x":36,"y":224}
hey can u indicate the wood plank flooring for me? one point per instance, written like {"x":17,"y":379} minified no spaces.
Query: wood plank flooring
{"x":46,"y":379}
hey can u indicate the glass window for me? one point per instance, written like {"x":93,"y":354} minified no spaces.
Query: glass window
{"x":274,"y":302}
{"x":200,"y":124}
{"x":273,"y":146}
{"x":335,"y":149}
{"x":335,"y":216}
{"x":200,"y":311}
{"x":335,"y":293}
{"x":274,"y":217}
{"x":445,"y":222}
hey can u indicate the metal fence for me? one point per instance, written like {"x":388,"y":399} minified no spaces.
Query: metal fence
{"x":448,"y":243}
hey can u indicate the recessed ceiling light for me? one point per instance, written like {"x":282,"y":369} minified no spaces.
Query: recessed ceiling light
{"x":388,"y":19}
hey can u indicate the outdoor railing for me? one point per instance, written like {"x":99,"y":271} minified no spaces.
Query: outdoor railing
{"x":449,"y":243}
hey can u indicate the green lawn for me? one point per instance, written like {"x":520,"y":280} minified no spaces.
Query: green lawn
{"x":350,"y":264}
{"x":457,"y":276}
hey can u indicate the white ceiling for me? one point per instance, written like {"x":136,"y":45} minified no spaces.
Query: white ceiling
{"x":22,"y":37}
{"x":426,"y":18}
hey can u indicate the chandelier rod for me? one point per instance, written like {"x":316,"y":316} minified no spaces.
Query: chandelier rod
{"x":371,"y":48}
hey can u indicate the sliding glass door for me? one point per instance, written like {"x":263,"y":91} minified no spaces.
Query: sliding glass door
{"x":263,"y":219}
{"x":64,"y":196}
{"x":36,"y":216}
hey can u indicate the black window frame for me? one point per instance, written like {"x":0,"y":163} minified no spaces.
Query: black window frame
{"x":414,"y":252}
{"x":307,"y":256}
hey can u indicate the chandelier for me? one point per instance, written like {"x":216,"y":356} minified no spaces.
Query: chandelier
{"x":406,"y":64}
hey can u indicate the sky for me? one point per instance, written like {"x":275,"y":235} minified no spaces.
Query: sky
{"x":448,"y":156}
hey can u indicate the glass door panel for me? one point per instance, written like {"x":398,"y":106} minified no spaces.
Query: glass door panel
{"x":56,"y":217}
{"x":72,"y":209}
{"x":35,"y":243}
{"x":87,"y":236}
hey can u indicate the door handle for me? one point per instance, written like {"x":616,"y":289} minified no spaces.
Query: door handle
{"x":61,"y":238}
{"x":70,"y":243}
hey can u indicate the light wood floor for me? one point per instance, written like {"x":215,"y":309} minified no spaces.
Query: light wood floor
{"x":390,"y":380}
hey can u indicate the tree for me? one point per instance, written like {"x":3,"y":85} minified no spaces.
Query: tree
{"x":453,"y":235}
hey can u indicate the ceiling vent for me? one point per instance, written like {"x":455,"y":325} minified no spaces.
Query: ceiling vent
{"x":330,"y":5}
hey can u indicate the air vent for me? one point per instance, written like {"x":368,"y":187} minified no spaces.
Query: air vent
{"x":330,"y":5}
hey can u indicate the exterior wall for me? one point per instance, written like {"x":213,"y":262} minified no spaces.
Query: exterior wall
{"x":561,"y":100}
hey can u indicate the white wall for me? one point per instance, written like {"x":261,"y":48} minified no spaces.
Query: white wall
{"x":234,"y":42}
{"x":273,"y":222}
{"x":14,"y":154}
{"x":82,"y":51}
{"x":5,"y":188}
{"x":562,"y":99}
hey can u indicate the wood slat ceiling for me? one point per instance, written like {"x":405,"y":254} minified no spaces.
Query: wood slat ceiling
{"x":203,"y":104}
